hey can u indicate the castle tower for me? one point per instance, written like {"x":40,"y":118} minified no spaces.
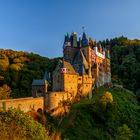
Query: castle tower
{"x":84,"y":64}
{"x":70,"y":47}
{"x":67,"y":48}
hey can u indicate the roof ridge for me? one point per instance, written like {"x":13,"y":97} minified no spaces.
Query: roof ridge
{"x":84,"y":60}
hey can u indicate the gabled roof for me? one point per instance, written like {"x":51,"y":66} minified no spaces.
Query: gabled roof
{"x":69,"y":67}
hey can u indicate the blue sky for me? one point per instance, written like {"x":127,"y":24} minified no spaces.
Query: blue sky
{"x":39,"y":25}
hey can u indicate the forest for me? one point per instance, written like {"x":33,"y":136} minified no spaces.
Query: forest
{"x":125,"y":62}
{"x":113,"y":113}
{"x":17,"y":71}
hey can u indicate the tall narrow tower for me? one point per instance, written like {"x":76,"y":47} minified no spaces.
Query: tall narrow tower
{"x":70,"y":47}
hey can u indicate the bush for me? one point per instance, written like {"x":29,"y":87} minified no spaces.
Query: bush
{"x":14,"y":124}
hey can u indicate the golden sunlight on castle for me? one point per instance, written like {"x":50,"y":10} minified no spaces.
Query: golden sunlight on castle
{"x":85,"y":65}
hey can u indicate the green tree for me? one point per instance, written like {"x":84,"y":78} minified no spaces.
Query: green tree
{"x":124,"y":133}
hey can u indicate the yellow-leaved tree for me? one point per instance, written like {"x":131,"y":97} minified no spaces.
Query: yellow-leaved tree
{"x":106,"y":98}
{"x":5,"y":91}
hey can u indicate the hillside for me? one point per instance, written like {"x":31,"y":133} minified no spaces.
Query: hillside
{"x":114,"y":116}
{"x":18,"y":69}
{"x":100,"y":119}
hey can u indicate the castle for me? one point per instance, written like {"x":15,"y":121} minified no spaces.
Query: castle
{"x":85,"y":65}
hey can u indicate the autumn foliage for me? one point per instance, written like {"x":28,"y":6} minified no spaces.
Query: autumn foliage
{"x":17,"y":71}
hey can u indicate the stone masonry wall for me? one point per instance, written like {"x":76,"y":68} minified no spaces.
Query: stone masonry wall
{"x":70,"y":84}
{"x":24,"y":104}
{"x":53,"y":100}
{"x":35,"y":90}
{"x":58,"y":79}
{"x":87,"y":85}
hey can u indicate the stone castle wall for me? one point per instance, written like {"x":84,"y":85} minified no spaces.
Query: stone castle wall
{"x":24,"y":104}
{"x":103,"y":75}
{"x":70,"y":84}
{"x":38,"y":91}
{"x":54,"y":99}
{"x":58,"y":79}
{"x":87,"y":85}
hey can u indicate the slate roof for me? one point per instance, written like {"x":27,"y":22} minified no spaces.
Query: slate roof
{"x":39,"y":82}
{"x":80,"y":63}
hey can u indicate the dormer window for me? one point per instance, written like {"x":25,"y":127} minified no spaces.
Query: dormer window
{"x":63,"y":70}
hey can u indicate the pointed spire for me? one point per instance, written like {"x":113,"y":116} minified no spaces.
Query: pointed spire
{"x":66,"y":38}
{"x":84,"y":40}
{"x":80,"y":42}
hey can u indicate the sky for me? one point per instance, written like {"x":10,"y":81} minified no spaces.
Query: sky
{"x":39,"y":26}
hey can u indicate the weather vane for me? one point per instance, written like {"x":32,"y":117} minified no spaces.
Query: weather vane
{"x":83,"y":28}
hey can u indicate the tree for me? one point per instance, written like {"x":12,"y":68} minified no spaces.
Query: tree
{"x":124,"y":133}
{"x":5,"y":92}
{"x":14,"y":124}
{"x":4,"y":64}
{"x":138,"y":95}
{"x":106,"y":98}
